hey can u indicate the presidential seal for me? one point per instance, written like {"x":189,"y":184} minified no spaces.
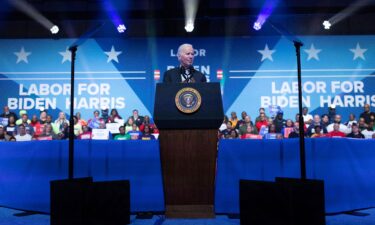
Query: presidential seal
{"x":188,"y":100}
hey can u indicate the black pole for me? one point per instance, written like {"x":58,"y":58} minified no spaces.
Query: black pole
{"x":302,"y":152}
{"x":73,"y":50}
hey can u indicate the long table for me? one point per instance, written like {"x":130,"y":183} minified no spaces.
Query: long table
{"x":26,"y":168}
{"x":346,"y":165}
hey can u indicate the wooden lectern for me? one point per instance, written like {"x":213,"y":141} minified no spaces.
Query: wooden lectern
{"x":188,"y":148}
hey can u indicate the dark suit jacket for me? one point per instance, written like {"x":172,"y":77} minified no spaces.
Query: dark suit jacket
{"x":174,"y":76}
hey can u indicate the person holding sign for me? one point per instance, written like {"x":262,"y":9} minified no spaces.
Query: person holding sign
{"x":185,"y":72}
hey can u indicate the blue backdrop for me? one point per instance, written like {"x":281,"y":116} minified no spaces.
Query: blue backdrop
{"x":257,"y":71}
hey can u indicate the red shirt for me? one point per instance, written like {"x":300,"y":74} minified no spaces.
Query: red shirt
{"x":259,"y":124}
{"x":336,"y":134}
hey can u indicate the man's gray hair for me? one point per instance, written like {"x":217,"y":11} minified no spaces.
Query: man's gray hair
{"x":182,"y":47}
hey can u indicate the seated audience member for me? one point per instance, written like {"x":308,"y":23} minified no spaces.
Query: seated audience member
{"x":104,"y":113}
{"x":317,"y":132}
{"x":26,"y":123}
{"x":55,"y":128}
{"x":19,"y":121}
{"x":10,"y":129}
{"x":77,"y":127}
{"x":12,"y":138}
{"x":146,"y":135}
{"x":316,"y":122}
{"x":336,"y":131}
{"x":279,"y":122}
{"x":134,"y":133}
{"x":289,"y":127}
{"x":86,"y":133}
{"x":272,"y":134}
{"x":129,"y":125}
{"x":325,"y":121}
{"x":362,"y":124}
{"x":3,"y":134}
{"x":42,"y":116}
{"x":61,"y":120}
{"x":249,"y":134}
{"x":147,"y":122}
{"x":342,"y":127}
{"x":233,"y":134}
{"x":122,"y":135}
{"x":137,"y":118}
{"x":64,"y":133}
{"x":233,"y":119}
{"x":48,"y":133}
{"x":225,"y":133}
{"x":331,"y":114}
{"x":355,"y":132}
{"x":37,"y":126}
{"x":295,"y":132}
{"x":80,"y":120}
{"x":367,"y":114}
{"x":95,"y":121}
{"x":351,"y":120}
{"x":246,"y":123}
{"x":368,"y":132}
{"x":223,"y":126}
{"x":307,"y":118}
{"x":262,"y":123}
{"x":262,"y":111}
{"x":242,"y":121}
{"x":114,"y":116}
{"x":22,"y":135}
{"x":6,"y":113}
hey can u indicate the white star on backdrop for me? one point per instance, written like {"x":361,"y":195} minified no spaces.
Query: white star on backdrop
{"x":266,"y":53}
{"x":112,"y":55}
{"x":312,"y":52}
{"x":67,"y":56}
{"x":22,"y":55}
{"x":358,"y":52}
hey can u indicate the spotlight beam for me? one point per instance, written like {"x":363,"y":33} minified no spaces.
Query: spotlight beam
{"x":29,"y":10}
{"x":348,"y":11}
{"x":191,"y":7}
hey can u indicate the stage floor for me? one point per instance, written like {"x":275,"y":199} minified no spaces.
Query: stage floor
{"x":8,"y":217}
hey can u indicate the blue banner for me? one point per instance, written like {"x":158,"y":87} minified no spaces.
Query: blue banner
{"x":253,"y":71}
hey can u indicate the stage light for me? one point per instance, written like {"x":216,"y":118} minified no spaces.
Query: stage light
{"x":257,"y":26}
{"x":55,"y":29}
{"x":265,"y":12}
{"x":189,"y":27}
{"x":327,"y":25}
{"x":121,"y":28}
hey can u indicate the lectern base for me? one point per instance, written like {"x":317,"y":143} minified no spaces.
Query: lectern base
{"x":190,"y":211}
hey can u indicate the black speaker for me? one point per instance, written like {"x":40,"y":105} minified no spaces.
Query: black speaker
{"x":68,"y":201}
{"x":261,"y":203}
{"x":83,"y":202}
{"x":305,"y":200}
{"x":109,"y":203}
{"x":284,"y":202}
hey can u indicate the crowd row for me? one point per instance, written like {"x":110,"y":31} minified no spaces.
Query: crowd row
{"x":104,"y":125}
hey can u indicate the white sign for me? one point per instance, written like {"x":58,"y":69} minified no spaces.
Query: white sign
{"x":100,"y":134}
{"x":113,"y":127}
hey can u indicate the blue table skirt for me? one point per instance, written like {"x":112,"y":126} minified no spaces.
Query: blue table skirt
{"x":26,"y":168}
{"x":347,"y":167}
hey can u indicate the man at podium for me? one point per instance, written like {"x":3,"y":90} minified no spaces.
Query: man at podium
{"x":185,"y":73}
